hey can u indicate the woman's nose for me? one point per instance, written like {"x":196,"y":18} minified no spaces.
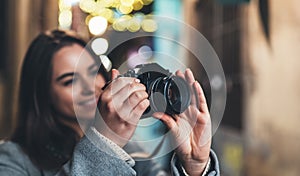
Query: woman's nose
{"x":87,"y":87}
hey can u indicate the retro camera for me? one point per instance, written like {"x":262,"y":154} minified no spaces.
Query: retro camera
{"x":167,"y":92}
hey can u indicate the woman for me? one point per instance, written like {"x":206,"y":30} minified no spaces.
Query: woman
{"x":57,"y":88}
{"x":47,"y":129}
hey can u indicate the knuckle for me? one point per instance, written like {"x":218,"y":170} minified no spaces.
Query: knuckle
{"x":110,"y":106}
{"x":135,"y":114}
{"x":207,"y":119}
{"x":120,"y":80}
{"x":143,"y":105}
{"x":103,"y":97}
{"x":203,"y":119}
{"x":131,"y":86}
{"x":137,"y":95}
{"x":141,"y":86}
{"x":144,"y":87}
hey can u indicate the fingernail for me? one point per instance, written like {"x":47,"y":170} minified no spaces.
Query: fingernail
{"x":137,"y":80}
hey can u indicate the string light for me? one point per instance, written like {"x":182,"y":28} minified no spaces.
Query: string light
{"x":120,"y":14}
{"x":97,"y":25}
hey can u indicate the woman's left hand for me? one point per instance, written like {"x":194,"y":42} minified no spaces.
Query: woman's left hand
{"x":191,"y":130}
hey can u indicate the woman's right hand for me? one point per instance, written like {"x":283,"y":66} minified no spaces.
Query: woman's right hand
{"x":121,"y":104}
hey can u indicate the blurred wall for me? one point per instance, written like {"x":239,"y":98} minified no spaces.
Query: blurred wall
{"x":272,"y":81}
{"x":25,"y":20}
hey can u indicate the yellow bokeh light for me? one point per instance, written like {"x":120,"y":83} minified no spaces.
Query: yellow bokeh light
{"x":98,"y":8}
{"x":137,"y":5}
{"x":124,"y":9}
{"x":106,"y":13}
{"x":121,"y":23}
{"x":133,"y":25}
{"x":147,"y":2}
{"x":111,"y":11}
{"x":117,"y":25}
{"x":65,"y":19}
{"x":108,"y":3}
{"x":97,"y":25}
{"x":87,"y":19}
{"x":64,"y":5}
{"x":116,"y":3}
{"x":87,"y":6}
{"x":149,"y":25}
{"x":127,"y":2}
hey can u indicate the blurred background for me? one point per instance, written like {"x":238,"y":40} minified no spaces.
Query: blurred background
{"x":257,"y":41}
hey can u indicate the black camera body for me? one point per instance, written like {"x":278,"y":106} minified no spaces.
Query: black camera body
{"x":167,"y":92}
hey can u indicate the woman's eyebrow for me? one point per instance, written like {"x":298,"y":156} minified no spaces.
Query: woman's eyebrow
{"x":65,"y":75}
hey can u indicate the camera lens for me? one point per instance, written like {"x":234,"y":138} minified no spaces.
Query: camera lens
{"x":170,"y":95}
{"x":177,"y":94}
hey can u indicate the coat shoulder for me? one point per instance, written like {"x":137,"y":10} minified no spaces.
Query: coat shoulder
{"x":13,"y":159}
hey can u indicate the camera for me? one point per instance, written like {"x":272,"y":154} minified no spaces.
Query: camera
{"x":167,"y":92}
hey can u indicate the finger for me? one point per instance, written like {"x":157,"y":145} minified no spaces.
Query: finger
{"x":138,"y":111}
{"x":202,"y":105}
{"x":114,"y":98}
{"x":180,"y":74}
{"x":168,"y":120}
{"x":115,"y":86}
{"x":130,"y":89}
{"x":124,"y":109}
{"x":189,"y":76}
{"x":114,"y":73}
{"x":135,"y":98}
{"x":119,"y":83}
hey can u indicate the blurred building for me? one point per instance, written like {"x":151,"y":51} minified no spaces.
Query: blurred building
{"x":257,"y":41}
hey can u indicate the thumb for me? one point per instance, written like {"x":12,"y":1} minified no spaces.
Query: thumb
{"x":168,"y":120}
{"x":114,"y":73}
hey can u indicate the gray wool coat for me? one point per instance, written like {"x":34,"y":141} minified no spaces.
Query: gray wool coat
{"x":94,"y":155}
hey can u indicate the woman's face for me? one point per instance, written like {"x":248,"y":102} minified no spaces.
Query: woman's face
{"x":73,"y":83}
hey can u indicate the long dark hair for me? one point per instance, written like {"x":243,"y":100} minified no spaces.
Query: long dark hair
{"x":47,"y":141}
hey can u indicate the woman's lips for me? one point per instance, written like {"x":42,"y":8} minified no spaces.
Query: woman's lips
{"x":88,"y":104}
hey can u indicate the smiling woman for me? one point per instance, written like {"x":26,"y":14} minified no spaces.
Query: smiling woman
{"x":51,"y":90}
{"x":71,"y":86}
{"x":62,"y":85}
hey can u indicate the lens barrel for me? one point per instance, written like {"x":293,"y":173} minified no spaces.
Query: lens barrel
{"x":169,"y":94}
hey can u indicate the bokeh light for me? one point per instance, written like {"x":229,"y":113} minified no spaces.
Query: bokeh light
{"x":127,"y":2}
{"x":137,"y":5}
{"x":99,"y":46}
{"x":106,"y":62}
{"x":88,"y":6}
{"x":149,"y":25}
{"x":125,"y":9}
{"x":147,"y":2}
{"x":97,"y":25}
{"x":133,"y":25}
{"x":121,"y":23}
{"x":145,"y":52}
{"x":65,"y":19}
{"x":122,"y":15}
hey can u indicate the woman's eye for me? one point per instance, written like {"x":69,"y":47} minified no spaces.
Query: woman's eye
{"x":94,"y":73}
{"x":69,"y":82}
